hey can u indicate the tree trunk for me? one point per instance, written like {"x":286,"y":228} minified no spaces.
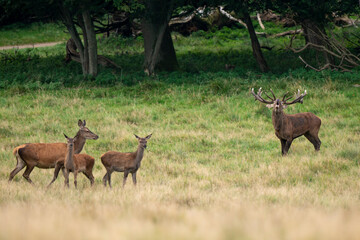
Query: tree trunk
{"x":255,"y":43}
{"x":91,"y":42}
{"x":88,"y":50}
{"x":159,"y":48}
{"x":68,"y":22}
{"x":85,"y":60}
{"x":315,"y":34}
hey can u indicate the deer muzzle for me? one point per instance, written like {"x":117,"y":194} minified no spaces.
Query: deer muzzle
{"x":277,"y":105}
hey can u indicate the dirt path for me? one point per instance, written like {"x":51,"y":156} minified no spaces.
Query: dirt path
{"x":35,"y":45}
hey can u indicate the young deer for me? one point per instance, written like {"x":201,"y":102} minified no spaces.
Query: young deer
{"x":46,"y":155}
{"x":124,"y":162}
{"x":290,"y":126}
{"x":75,"y":163}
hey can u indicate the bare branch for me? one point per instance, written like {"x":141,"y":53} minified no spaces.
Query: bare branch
{"x":333,"y":47}
{"x":180,"y":20}
{"x":259,"y":20}
{"x":228,"y":15}
{"x":291,"y":32}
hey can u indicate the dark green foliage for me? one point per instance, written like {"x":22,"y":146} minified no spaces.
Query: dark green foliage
{"x":22,"y":11}
{"x":319,"y":11}
{"x":202,"y":58}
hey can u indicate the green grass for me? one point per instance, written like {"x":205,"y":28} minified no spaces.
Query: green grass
{"x":18,"y":34}
{"x":212,"y":154}
{"x":212,"y":169}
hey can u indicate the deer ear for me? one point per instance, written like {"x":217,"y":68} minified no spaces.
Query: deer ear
{"x":270,"y":105}
{"x":84,"y":123}
{"x":136,"y":136}
{"x":80,"y":123}
{"x":65,"y":136}
{"x":284,"y":106}
{"x":148,"y":136}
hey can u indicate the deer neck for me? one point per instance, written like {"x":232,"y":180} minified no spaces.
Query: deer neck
{"x":79,"y":143}
{"x":278,"y":119}
{"x":69,"y":160}
{"x":139,"y":154}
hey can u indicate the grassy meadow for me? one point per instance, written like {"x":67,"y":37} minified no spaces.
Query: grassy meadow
{"x":213,"y":168}
{"x":18,"y":33}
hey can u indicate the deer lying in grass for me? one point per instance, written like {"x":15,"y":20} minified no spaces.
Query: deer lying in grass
{"x":46,"y":155}
{"x":124,"y":162}
{"x":291,"y":126}
{"x":75,"y":163}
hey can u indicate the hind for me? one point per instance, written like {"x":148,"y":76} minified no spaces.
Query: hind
{"x":20,"y":163}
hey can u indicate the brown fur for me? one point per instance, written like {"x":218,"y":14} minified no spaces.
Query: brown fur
{"x":74,"y":163}
{"x":82,"y":163}
{"x":124,"y":162}
{"x":46,"y":155}
{"x":290,"y":126}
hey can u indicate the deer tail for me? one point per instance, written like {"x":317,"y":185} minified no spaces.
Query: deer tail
{"x":17,"y":154}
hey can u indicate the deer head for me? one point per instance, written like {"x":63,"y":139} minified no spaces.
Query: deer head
{"x":69,"y":161}
{"x":276,"y":103}
{"x":143,"y":141}
{"x":70,"y":141}
{"x":85,"y":132}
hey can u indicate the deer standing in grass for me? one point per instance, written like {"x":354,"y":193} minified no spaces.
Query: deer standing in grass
{"x":75,"y":163}
{"x":290,"y":126}
{"x":124,"y":162}
{"x":46,"y":155}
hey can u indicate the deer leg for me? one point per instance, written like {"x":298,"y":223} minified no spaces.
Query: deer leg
{"x":19,"y":165}
{"x":318,"y":144}
{"x":56,"y":173}
{"x":27,"y":172}
{"x":90,"y":176}
{"x":63,"y":170}
{"x":105,"y":178}
{"x":314,"y":140}
{"x":134,"y":177}
{"x":75,"y":178}
{"x":109,"y":178}
{"x":126,"y":173}
{"x":287,"y":146}
{"x":283,"y":141}
{"x":66,"y":175}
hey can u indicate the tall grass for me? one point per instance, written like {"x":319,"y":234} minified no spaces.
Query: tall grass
{"x":213,"y":167}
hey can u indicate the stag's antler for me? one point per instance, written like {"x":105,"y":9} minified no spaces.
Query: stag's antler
{"x":298,"y":98}
{"x":260,"y":98}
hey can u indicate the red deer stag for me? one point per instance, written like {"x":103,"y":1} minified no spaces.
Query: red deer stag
{"x":124,"y":162}
{"x":75,"y":163}
{"x":46,"y":155}
{"x":291,"y":126}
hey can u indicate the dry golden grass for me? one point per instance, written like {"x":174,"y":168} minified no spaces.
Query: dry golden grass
{"x":212,"y":169}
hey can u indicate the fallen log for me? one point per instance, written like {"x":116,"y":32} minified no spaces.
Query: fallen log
{"x":291,"y":32}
